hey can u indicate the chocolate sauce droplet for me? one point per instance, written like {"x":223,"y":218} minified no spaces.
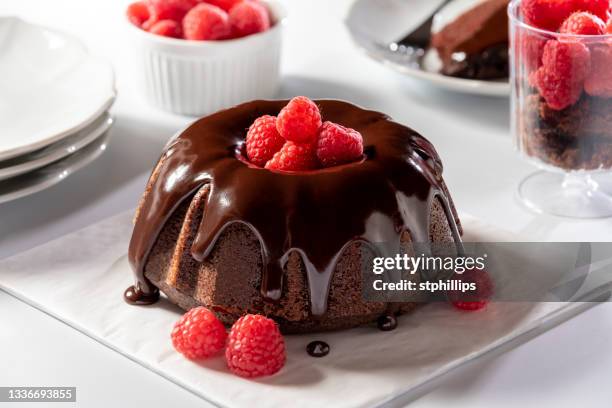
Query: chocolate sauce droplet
{"x":387,"y":322}
{"x":134,"y":296}
{"x":317,"y":348}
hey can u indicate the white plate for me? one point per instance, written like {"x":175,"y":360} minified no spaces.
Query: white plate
{"x":52,"y":174}
{"x":56,"y":151}
{"x":374,"y":25}
{"x":51,"y":87}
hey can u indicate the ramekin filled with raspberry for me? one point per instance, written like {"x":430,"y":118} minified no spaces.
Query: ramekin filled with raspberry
{"x":561,"y":54}
{"x":198,"y":56}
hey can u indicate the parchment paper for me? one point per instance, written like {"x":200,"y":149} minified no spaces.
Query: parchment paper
{"x":80,"y":279}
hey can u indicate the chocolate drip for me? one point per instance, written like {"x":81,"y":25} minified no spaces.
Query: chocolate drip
{"x":317,"y":348}
{"x":316,"y":213}
{"x":136,"y":296}
{"x":386,"y":322}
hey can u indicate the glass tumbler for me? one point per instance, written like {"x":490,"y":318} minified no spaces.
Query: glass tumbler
{"x":562,"y":118}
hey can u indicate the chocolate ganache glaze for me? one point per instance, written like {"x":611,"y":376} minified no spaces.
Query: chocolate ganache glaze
{"x":316,"y":213}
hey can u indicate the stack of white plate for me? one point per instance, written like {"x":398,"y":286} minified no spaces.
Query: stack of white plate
{"x":54,"y":101}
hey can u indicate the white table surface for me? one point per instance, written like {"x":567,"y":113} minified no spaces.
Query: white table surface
{"x":569,"y":366}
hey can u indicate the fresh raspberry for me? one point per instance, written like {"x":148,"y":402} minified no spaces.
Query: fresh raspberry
{"x":167,"y":28}
{"x":338,"y":144}
{"x":547,"y":14}
{"x":249,"y":17}
{"x":533,"y":48}
{"x":565,"y":66}
{"x":477,"y":298}
{"x":198,"y":334}
{"x":601,"y":8}
{"x":138,"y":13}
{"x":206,"y":22}
{"x":609,"y":27}
{"x":470,"y":306}
{"x":168,"y":10}
{"x":226,"y":5}
{"x":583,"y":23}
{"x":294,"y":157}
{"x":532,"y":79}
{"x":255,"y":347}
{"x":299,"y":121}
{"x":599,"y":81}
{"x":263,"y":140}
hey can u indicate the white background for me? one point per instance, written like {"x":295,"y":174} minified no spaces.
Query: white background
{"x":568,"y":366}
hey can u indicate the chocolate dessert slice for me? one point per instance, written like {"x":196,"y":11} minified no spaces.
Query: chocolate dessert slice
{"x":475,"y":43}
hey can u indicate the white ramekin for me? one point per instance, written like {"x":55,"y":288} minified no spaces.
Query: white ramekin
{"x":201,"y":77}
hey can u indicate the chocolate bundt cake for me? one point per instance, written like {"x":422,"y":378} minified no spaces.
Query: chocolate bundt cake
{"x":216,"y":231}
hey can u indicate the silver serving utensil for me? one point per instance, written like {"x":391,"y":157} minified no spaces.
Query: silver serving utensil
{"x":421,"y":36}
{"x":413,"y":46}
